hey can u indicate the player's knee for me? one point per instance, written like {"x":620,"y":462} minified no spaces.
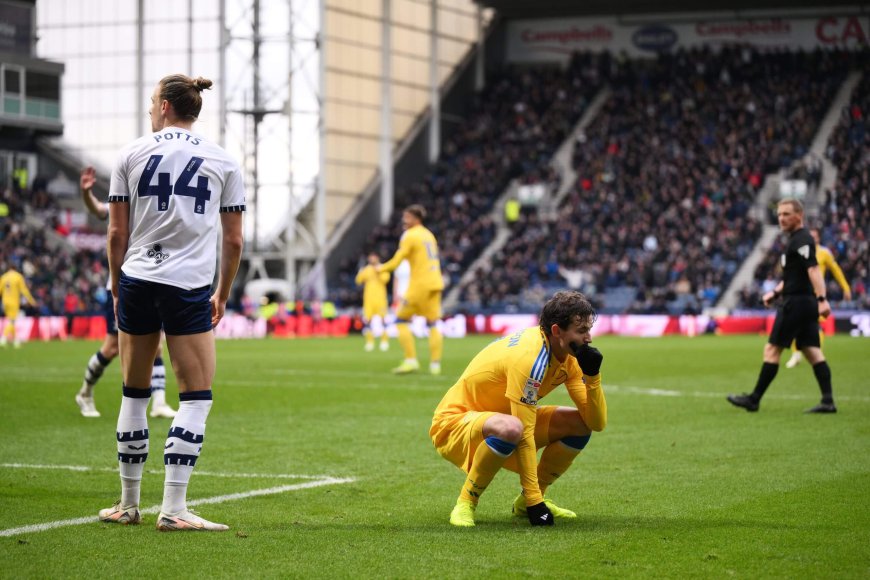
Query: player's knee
{"x":511,"y":429}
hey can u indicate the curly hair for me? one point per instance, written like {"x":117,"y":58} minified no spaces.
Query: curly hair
{"x":564,"y":308}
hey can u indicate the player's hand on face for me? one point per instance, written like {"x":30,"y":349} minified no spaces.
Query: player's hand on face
{"x":589,"y":358}
{"x":88,"y":178}
{"x":767,"y":298}
{"x":217,"y":310}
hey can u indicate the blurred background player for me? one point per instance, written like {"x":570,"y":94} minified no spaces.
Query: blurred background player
{"x":826,"y":261}
{"x":423,"y":297}
{"x":109,"y":349}
{"x":491,"y":418}
{"x":169,"y":190}
{"x":374,"y":285}
{"x":13,"y":288}
{"x":797,"y":317}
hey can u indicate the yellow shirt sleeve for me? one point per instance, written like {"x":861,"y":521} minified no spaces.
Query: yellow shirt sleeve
{"x":385,"y":277}
{"x":522,"y":391}
{"x":838,"y":275}
{"x":360,"y":277}
{"x":588,"y":396}
{"x":403,"y":252}
{"x":527,"y":456}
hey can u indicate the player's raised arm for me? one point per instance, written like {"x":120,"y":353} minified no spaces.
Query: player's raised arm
{"x":403,"y":252}
{"x":95,"y":207}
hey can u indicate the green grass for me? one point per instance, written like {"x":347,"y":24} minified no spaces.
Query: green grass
{"x":676,"y":486}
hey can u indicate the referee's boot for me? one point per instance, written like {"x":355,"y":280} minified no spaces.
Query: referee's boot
{"x":823,"y":408}
{"x":745,"y":401}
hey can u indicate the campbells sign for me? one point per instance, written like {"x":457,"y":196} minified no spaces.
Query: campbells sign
{"x":556,"y":40}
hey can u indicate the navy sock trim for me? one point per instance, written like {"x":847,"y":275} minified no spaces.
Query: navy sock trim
{"x":577,"y":442}
{"x":136,"y":393}
{"x":195,"y":396}
{"x":158,"y":362}
{"x":402,"y":321}
{"x":103,"y":360}
{"x":500,"y":446}
{"x":140,"y":435}
{"x":179,"y":459}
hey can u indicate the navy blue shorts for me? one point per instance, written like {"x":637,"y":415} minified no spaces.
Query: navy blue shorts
{"x":146,"y":307}
{"x":109,"y":314}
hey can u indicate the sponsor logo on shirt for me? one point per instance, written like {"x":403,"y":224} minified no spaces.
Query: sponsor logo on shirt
{"x":804,"y":251}
{"x":157,"y":254}
{"x":530,"y":392}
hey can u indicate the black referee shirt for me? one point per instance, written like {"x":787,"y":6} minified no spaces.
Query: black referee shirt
{"x":799,"y":255}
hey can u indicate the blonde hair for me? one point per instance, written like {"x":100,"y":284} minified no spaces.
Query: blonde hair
{"x":183,"y":93}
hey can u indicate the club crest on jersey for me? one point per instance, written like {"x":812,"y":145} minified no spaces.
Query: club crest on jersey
{"x":530,"y":392}
{"x":157,"y":254}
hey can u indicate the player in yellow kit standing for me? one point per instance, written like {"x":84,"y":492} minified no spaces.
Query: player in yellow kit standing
{"x":374,"y":285}
{"x":423,"y":297}
{"x":491,"y":417}
{"x":13,"y":287}
{"x":826,"y":262}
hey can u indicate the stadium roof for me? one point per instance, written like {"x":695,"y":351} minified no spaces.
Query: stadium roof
{"x":554,"y":8}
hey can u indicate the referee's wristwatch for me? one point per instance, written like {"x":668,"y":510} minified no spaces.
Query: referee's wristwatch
{"x":821,"y":298}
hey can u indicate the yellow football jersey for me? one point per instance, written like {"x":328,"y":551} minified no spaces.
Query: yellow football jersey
{"x":420,"y":248}
{"x":510,"y":376}
{"x":827,"y":262}
{"x":374,"y":285}
{"x":13,"y":287}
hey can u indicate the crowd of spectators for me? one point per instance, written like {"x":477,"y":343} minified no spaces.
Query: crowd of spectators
{"x":516,"y":123}
{"x":64,"y":280}
{"x":844,"y":213}
{"x":659,"y":219}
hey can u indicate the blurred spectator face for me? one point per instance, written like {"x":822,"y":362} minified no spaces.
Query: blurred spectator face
{"x":815,"y":234}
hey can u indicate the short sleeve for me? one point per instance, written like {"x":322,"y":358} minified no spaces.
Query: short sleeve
{"x":119,"y":189}
{"x":807,"y":252}
{"x":233,"y":195}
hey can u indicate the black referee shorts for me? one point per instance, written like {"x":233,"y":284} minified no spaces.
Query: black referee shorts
{"x":797,"y":319}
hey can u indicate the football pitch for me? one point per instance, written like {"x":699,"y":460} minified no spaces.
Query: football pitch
{"x":319,"y":460}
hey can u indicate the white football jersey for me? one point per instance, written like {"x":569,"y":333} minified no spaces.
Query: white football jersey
{"x":177,"y":183}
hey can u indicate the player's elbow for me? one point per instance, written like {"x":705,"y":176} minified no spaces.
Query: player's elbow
{"x":597,"y":423}
{"x":234,"y":242}
{"x":116,"y":235}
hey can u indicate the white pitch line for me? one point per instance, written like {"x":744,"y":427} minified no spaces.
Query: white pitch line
{"x":160,"y":471}
{"x":156,"y":508}
{"x":706,"y":394}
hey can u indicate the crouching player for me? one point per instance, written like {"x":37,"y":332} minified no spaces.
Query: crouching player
{"x":491,"y":417}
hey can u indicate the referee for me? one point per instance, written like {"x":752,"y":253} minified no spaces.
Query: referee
{"x":797,"y":318}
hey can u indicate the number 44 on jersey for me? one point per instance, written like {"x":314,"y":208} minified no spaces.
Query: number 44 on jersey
{"x":163,"y":189}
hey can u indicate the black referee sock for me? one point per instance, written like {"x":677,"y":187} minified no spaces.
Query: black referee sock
{"x":823,"y":376}
{"x":765,"y":377}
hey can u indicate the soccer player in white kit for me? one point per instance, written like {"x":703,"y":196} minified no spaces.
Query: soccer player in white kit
{"x":167,"y":192}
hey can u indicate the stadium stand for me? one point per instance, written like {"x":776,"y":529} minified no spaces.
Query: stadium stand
{"x":659,"y":218}
{"x":518,"y":121}
{"x":844,"y":212}
{"x":63,"y":279}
